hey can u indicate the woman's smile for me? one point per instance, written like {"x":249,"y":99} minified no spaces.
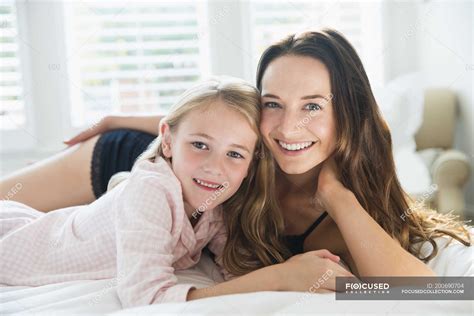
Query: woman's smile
{"x":294,"y":148}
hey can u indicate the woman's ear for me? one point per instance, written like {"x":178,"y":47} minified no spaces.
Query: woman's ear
{"x":165,"y":139}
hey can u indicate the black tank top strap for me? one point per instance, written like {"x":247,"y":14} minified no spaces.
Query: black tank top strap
{"x":295,"y":242}
{"x":314,"y":225}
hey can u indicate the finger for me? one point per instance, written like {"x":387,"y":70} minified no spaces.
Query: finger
{"x":323,"y":290}
{"x":76,"y":139}
{"x":82,"y":136}
{"x":324,"y":253}
{"x":330,"y":284}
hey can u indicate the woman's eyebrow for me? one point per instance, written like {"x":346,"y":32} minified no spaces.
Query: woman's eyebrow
{"x":306,"y":97}
{"x":314,"y":96}
{"x":269,"y":95}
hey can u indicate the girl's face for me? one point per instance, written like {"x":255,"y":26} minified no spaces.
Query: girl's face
{"x":211,"y":151}
{"x":298,"y":124}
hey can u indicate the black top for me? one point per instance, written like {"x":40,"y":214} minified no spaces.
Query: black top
{"x":295,"y":242}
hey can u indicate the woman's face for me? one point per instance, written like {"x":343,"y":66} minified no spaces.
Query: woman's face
{"x":298,"y":124}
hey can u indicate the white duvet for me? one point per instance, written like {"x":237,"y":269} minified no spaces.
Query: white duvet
{"x":99,"y":297}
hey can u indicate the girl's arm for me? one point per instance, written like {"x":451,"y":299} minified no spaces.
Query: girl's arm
{"x":145,"y":243}
{"x":313,"y":272}
{"x":144,"y":123}
{"x":375,"y":253}
{"x":300,"y":273}
{"x":264,"y":279}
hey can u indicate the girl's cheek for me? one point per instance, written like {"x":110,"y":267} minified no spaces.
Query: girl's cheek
{"x":239,"y":175}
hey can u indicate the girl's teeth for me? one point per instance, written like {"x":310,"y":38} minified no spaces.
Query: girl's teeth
{"x":213,"y":186}
{"x":298,"y":146}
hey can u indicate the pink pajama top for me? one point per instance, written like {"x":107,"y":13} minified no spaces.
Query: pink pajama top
{"x":137,"y":233}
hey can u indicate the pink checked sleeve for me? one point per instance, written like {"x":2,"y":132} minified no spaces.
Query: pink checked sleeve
{"x":145,"y":243}
{"x":216,"y":246}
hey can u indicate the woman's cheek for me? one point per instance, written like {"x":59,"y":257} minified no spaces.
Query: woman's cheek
{"x":325,"y":132}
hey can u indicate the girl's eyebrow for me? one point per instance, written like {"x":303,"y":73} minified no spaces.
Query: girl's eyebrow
{"x":212,"y":138}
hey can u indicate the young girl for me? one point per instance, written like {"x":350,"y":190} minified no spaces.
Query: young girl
{"x":161,"y":217}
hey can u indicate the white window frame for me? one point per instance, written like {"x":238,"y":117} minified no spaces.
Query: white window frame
{"x":47,"y":112}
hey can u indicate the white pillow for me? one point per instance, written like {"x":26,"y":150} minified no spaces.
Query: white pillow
{"x":413,"y":173}
{"x":401,"y":102}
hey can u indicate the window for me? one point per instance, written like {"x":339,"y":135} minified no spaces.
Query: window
{"x":359,"y":21}
{"x":131,"y":57}
{"x":12,"y":110}
{"x":65,"y":65}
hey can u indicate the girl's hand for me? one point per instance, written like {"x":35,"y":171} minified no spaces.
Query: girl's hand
{"x":313,"y":271}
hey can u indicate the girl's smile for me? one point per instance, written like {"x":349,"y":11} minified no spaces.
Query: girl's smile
{"x":211,"y":152}
{"x":208,"y":185}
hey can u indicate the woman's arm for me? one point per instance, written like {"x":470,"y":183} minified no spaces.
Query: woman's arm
{"x":144,"y":123}
{"x":375,"y":253}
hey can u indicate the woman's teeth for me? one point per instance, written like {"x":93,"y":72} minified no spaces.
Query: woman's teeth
{"x":294,"y":147}
{"x":212,"y":186}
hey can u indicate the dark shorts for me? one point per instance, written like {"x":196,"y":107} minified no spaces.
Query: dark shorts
{"x":116,"y":151}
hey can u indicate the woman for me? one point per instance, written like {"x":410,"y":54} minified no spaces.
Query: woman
{"x":334,"y":164}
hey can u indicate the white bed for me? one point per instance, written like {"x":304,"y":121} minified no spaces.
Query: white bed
{"x":99,"y":297}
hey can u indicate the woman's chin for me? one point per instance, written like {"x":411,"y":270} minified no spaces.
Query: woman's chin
{"x":295,"y":169}
{"x":298,"y":167}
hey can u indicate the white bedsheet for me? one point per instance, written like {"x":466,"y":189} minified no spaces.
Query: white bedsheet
{"x":99,"y":297}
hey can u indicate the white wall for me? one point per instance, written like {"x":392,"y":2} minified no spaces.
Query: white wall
{"x":436,"y":37}
{"x":446,"y":55}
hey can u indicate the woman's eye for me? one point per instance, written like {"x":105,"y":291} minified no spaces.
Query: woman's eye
{"x":235,"y":154}
{"x":312,"y":107}
{"x":199,"y":145}
{"x":271,"y":105}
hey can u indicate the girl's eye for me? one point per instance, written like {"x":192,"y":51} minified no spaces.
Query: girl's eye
{"x":235,"y":154}
{"x":271,"y":105}
{"x":313,"y":107}
{"x":199,"y":145}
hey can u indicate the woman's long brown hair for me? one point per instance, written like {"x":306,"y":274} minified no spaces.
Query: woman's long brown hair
{"x":364,"y":146}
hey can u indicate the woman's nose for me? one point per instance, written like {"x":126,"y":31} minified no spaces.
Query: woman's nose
{"x":289,"y":124}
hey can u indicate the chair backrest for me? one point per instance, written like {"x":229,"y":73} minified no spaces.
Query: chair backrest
{"x":439,"y":120}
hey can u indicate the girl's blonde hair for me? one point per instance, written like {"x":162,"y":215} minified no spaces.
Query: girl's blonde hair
{"x":253,"y":227}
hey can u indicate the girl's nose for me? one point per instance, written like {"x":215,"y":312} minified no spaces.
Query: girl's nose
{"x":213,"y":165}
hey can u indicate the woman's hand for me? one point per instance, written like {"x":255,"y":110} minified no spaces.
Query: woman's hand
{"x":329,"y":184}
{"x":145,"y":123}
{"x":313,"y":271}
{"x":100,"y":127}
